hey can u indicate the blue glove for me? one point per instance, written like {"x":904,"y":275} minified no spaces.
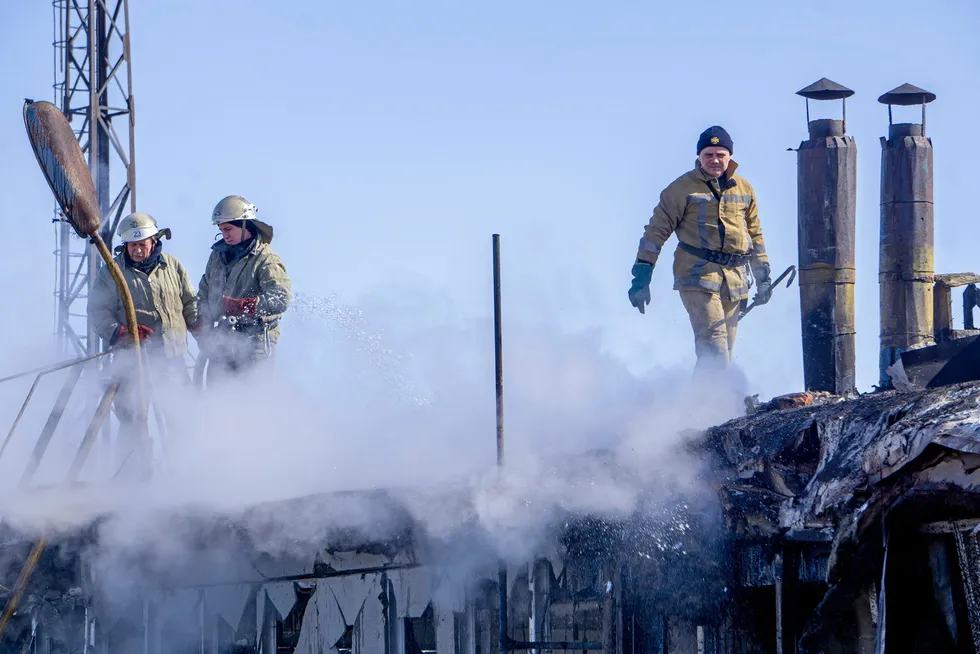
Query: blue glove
{"x":640,"y":290}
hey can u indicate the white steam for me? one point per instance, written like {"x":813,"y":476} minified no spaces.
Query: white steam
{"x":408,"y":410}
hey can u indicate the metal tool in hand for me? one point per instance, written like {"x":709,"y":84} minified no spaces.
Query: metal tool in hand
{"x":227,"y":322}
{"x":791,"y":271}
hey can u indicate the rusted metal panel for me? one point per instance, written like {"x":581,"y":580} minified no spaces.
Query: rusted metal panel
{"x":63,"y":164}
{"x":906,"y":165}
{"x":907,"y":316}
{"x":827,"y":173}
{"x":905,"y":265}
{"x":906,"y":249}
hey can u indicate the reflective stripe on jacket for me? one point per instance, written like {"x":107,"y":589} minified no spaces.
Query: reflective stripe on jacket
{"x":164,"y":301}
{"x":711,"y":214}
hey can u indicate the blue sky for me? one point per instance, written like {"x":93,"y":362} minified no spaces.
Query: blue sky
{"x":386,"y":142}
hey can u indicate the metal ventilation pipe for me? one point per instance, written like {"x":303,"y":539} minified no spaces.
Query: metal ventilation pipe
{"x":826,"y":193}
{"x":905,"y":265}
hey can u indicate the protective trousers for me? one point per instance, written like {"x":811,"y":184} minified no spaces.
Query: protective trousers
{"x":230,"y":354}
{"x":132,"y":457}
{"x":714,"y":319}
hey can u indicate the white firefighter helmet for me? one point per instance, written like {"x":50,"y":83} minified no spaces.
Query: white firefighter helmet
{"x":234,"y":208}
{"x":231,"y":208}
{"x":137,"y":226}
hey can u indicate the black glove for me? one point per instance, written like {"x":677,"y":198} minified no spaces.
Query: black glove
{"x":763,"y":284}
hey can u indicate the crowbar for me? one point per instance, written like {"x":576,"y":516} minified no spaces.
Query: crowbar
{"x":791,"y":271}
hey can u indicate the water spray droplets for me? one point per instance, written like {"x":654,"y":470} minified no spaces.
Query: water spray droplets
{"x":329,"y":330}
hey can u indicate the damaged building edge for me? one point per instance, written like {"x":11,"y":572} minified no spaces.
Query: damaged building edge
{"x":383,"y":597}
{"x":845,"y":522}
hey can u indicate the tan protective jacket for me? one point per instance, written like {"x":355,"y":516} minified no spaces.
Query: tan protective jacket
{"x":260,"y":274}
{"x":164,"y":301}
{"x":711,"y":214}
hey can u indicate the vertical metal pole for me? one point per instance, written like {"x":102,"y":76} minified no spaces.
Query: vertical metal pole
{"x":93,"y":40}
{"x":611,"y":636}
{"x":64,"y":306}
{"x":532,"y":627}
{"x":780,"y":617}
{"x":146,"y":625}
{"x":202,"y":620}
{"x":131,"y":101}
{"x":499,"y":366}
{"x":618,"y":599}
{"x":100,"y":127}
{"x":784,"y":565}
{"x":105,"y":25}
{"x":86,"y":647}
{"x":498,"y":350}
{"x":881,"y":632}
{"x":386,"y":614}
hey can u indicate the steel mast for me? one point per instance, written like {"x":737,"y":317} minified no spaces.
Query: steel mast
{"x":93,"y":85}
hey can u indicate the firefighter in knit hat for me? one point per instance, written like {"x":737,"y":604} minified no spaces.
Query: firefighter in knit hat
{"x":720,"y":247}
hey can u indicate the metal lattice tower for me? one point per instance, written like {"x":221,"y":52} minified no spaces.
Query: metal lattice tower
{"x":93,"y":86}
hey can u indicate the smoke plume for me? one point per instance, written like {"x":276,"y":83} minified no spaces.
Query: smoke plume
{"x":369,"y":422}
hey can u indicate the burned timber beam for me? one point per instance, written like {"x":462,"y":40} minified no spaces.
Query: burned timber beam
{"x":905,"y":265}
{"x":826,"y":194}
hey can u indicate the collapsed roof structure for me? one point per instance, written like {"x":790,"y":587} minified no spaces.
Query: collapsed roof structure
{"x":846,"y":523}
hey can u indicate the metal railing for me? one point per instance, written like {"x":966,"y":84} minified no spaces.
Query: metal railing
{"x":95,"y":425}
{"x":54,"y":418}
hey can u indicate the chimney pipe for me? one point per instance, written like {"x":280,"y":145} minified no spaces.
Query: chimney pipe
{"x":826,"y":193}
{"x":905,"y":265}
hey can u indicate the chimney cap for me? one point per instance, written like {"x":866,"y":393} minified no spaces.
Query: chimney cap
{"x":907,"y":94}
{"x":825,"y":89}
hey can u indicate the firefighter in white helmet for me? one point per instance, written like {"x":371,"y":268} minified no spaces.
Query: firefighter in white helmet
{"x":164,"y":298}
{"x":166,"y":309}
{"x":244,"y":290}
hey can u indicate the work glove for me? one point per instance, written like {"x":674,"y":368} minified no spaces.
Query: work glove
{"x":763,"y":284}
{"x":122,"y":334}
{"x":243,"y":306}
{"x":640,"y":290}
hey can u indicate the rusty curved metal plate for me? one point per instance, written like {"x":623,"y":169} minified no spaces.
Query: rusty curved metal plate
{"x":63,"y":164}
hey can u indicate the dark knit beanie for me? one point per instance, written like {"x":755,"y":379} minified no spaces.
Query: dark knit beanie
{"x":715,"y":136}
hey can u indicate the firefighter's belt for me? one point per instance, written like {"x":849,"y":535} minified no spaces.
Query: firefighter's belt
{"x":726,"y":259}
